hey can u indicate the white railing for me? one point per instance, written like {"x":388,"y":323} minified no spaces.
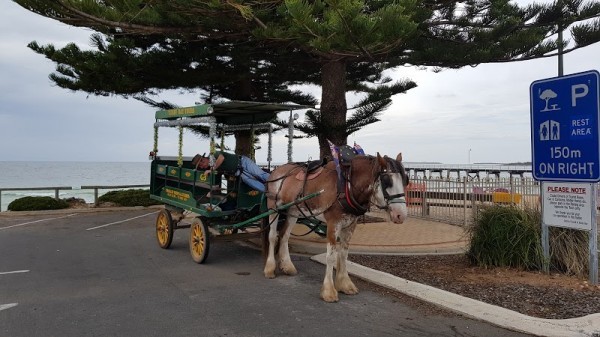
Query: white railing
{"x":457,"y":200}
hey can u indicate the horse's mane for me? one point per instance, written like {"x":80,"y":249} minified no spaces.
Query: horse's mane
{"x":375,"y":168}
{"x":398,"y":167}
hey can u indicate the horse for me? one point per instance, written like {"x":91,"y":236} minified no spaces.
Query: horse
{"x":370,"y":180}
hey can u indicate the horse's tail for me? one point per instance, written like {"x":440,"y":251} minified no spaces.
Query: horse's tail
{"x":265,"y":233}
{"x":265,"y":237}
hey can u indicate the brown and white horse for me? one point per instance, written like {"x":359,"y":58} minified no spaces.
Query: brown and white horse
{"x":379,"y":181}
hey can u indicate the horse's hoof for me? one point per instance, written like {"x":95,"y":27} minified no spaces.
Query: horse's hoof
{"x":347,"y":288}
{"x":269,"y":269}
{"x":329,"y":295}
{"x":289,"y":270}
{"x":269,"y":274}
{"x":350,"y":291}
{"x":330,"y":299}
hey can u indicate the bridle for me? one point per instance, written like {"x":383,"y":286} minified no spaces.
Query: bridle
{"x":399,"y":198}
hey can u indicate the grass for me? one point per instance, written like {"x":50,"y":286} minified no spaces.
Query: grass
{"x":507,"y":236}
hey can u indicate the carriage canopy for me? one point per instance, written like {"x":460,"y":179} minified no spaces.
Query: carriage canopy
{"x":232,"y":113}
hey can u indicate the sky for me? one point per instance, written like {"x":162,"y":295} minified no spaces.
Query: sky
{"x":470,"y":115}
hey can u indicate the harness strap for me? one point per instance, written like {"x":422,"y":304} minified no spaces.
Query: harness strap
{"x":359,"y":209}
{"x":346,"y":197}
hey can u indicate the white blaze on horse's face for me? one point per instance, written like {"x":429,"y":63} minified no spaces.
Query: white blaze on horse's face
{"x":390,"y":192}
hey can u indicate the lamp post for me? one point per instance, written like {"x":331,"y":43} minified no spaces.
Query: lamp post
{"x":291,"y":134}
{"x":469,"y":157}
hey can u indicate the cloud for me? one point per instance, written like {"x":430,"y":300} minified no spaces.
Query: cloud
{"x":481,"y":113}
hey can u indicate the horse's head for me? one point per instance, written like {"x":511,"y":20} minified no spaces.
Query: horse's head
{"x":390,"y":188}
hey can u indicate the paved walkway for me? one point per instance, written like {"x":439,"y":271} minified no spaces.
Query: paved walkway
{"x":414,"y":236}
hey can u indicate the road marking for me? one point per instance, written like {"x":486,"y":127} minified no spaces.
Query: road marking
{"x":30,"y":222}
{"x":118,"y":222}
{"x":14,"y":272}
{"x":8,"y":306}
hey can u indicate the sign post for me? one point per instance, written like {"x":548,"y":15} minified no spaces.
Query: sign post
{"x":565,"y":121}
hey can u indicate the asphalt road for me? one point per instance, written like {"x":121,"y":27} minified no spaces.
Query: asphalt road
{"x":103,"y":274}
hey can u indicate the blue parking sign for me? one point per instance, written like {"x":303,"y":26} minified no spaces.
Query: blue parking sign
{"x":564,"y":127}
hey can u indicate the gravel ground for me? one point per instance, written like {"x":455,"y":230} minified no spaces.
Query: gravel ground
{"x":534,"y":294}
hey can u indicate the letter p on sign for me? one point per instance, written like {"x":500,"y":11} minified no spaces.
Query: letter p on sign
{"x":578,"y":91}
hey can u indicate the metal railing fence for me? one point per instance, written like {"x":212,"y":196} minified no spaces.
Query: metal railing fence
{"x":451,"y":200}
{"x":456,"y":200}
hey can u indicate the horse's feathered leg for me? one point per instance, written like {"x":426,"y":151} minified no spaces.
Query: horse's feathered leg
{"x":285,"y":262}
{"x":328,"y":291}
{"x":343,"y":282}
{"x":270,"y":264}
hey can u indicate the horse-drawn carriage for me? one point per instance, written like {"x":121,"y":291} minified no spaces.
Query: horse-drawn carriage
{"x":327,"y":197}
{"x":225,"y":207}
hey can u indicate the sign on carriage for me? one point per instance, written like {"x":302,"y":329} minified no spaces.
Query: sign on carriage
{"x":564,"y":128}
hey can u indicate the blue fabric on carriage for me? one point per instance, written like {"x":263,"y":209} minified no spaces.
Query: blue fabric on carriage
{"x":252,"y":174}
{"x":242,"y":166}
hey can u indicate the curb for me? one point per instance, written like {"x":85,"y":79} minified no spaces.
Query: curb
{"x":581,"y":326}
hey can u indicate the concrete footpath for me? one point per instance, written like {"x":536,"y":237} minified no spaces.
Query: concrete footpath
{"x":417,"y":236}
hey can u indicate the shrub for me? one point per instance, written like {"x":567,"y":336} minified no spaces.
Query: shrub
{"x":36,"y":204}
{"x":129,"y":198}
{"x":506,"y":236}
{"x":511,"y":237}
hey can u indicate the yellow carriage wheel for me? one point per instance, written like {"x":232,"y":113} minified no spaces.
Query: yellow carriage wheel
{"x":199,"y":241}
{"x":164,"y":229}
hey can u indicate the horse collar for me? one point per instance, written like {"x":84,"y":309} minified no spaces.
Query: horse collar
{"x":346,"y":197}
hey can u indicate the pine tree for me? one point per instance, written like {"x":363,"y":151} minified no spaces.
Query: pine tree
{"x":339,"y":36}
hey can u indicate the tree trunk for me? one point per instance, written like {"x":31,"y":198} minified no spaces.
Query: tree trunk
{"x":333,"y":105}
{"x":243,"y":143}
{"x":243,"y":138}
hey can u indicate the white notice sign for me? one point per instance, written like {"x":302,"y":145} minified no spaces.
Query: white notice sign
{"x":567,"y":205}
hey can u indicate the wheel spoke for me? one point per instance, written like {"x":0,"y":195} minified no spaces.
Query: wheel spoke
{"x":198,"y":241}
{"x":164,"y":229}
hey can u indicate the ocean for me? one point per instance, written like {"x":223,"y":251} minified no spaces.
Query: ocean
{"x":23,"y":174}
{"x":20,"y":174}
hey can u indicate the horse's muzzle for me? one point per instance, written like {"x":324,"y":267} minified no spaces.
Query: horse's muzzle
{"x":398,"y":212}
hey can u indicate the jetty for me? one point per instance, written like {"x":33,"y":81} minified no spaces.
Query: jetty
{"x":471,"y":171}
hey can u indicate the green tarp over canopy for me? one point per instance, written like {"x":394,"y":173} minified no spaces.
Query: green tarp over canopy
{"x":233,"y":112}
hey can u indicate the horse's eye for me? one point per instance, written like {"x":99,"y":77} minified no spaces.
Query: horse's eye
{"x":386,"y":180}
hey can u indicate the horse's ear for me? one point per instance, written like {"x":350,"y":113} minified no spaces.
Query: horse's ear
{"x":382,"y":162}
{"x":399,"y":157}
